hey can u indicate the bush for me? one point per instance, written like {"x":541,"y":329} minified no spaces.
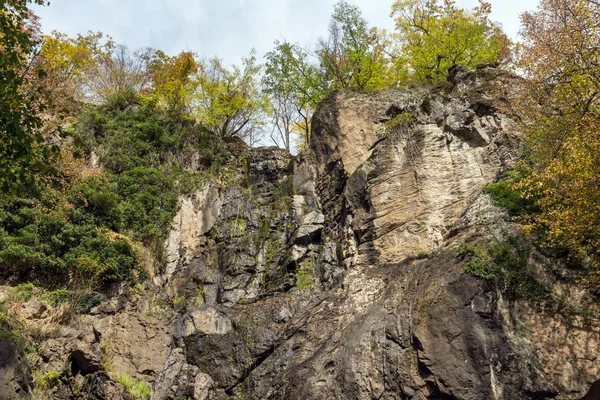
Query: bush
{"x":58,"y":297}
{"x":506,"y":194}
{"x":46,"y":246}
{"x":506,"y":265}
{"x":82,"y":301}
{"x":87,"y":301}
{"x":80,"y":227}
{"x":21,"y":293}
{"x":138,"y":143}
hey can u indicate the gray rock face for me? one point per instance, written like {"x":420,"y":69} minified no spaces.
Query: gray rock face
{"x":393,"y":325}
{"x":367,"y":301}
{"x":15,"y":375}
{"x":332,"y":276}
{"x":180,"y":380}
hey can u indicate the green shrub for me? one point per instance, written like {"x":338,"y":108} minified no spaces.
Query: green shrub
{"x":506,"y":265}
{"x":80,"y":229}
{"x":138,"y":143}
{"x":506,"y":194}
{"x":58,"y":297}
{"x":21,"y":293}
{"x":10,"y":329}
{"x":46,"y":245}
{"x":87,"y":301}
{"x":82,"y":300}
{"x":401,"y":120}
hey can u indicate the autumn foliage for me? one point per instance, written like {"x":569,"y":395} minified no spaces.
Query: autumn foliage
{"x":55,"y":86}
{"x":559,"y":102}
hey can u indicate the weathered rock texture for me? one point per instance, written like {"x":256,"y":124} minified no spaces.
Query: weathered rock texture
{"x":15,"y":374}
{"x":394,"y":173}
{"x":362,"y":298}
{"x":332,"y":276}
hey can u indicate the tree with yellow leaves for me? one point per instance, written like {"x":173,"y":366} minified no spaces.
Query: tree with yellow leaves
{"x":67,"y":63}
{"x":228,"y":101}
{"x":172,"y":81}
{"x":559,"y":103}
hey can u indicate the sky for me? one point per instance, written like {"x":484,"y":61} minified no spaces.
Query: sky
{"x":228,"y":29}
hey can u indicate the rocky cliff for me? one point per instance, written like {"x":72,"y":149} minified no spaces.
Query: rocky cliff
{"x":334,"y":275}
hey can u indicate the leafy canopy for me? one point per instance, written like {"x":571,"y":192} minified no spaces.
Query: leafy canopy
{"x":294,"y":89}
{"x":434,"y":35}
{"x":172,"y":79}
{"x":353,"y":56}
{"x":229,"y":102}
{"x":22,"y":147}
{"x":559,"y":103}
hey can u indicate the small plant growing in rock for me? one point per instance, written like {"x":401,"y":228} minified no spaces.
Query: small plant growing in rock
{"x":178,"y":301}
{"x":339,"y":255}
{"x":199,"y":299}
{"x":400,"y":121}
{"x":506,"y":265}
{"x":507,"y":195}
{"x":21,"y":293}
{"x":44,"y":382}
{"x":137,"y":389}
{"x":304,"y":276}
{"x":10,"y":329}
{"x":58,"y":297}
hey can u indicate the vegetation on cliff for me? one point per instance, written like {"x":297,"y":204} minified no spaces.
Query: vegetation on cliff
{"x":560,"y":105}
{"x":102,"y":146}
{"x":97,"y":140}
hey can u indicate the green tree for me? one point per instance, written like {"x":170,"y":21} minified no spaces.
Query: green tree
{"x":23,"y":151}
{"x":229,"y":102}
{"x":353,"y":55}
{"x":294,"y":87}
{"x":434,"y":35}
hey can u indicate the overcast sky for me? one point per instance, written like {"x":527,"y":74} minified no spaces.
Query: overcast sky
{"x":227,"y":28}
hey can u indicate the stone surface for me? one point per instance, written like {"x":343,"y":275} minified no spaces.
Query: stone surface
{"x":33,"y":310}
{"x":196,"y":216}
{"x":85,"y":361}
{"x":137,"y":345}
{"x":204,"y":321}
{"x":396,"y":327}
{"x":332,"y":275}
{"x":180,"y":380}
{"x":15,"y":375}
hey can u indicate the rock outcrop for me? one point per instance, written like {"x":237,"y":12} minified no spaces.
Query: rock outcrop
{"x":371,"y":303}
{"x":16,"y":381}
{"x":399,"y":175}
{"x":332,"y":275}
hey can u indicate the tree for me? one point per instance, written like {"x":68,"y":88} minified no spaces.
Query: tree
{"x":119,"y":71}
{"x":229,"y":102}
{"x":67,"y":63}
{"x":172,"y":79}
{"x":294,"y":87}
{"x":559,"y":102}
{"x":285,"y":117}
{"x":353,"y":56}
{"x":23,"y":150}
{"x":433,"y":36}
